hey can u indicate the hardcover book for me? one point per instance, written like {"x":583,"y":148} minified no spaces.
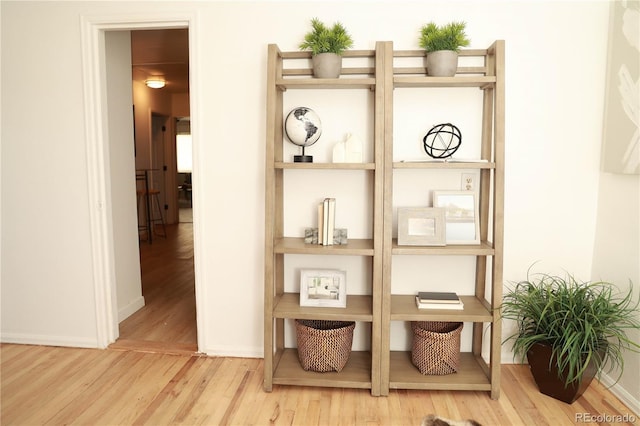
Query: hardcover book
{"x":438,"y":297}
{"x":453,"y":306}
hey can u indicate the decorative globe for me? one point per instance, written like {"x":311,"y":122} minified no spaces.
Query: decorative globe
{"x":442,"y":140}
{"x":303,"y":128}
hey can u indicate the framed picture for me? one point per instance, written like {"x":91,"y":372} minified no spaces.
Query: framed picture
{"x":461,"y":216}
{"x":323,"y":287}
{"x":421,"y":226}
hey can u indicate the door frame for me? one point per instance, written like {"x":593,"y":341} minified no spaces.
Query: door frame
{"x":93,"y":30}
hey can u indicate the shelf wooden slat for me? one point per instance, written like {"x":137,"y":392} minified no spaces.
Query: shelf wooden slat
{"x":444,"y":165}
{"x":355,"y":247}
{"x":424,"y":81}
{"x":421,"y":53}
{"x":483,"y":249}
{"x":470,"y":375}
{"x":326,"y":83}
{"x":306,"y":54}
{"x":359,"y":308}
{"x":345,"y":71}
{"x":356,"y":374}
{"x":403,"y":308}
{"x":324,"y":166}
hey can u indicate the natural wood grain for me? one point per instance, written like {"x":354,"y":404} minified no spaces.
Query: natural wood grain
{"x":167,"y":322}
{"x":54,"y":386}
{"x":358,"y":309}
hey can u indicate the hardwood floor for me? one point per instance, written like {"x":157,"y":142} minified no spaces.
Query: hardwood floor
{"x":167,"y":322}
{"x":56,"y":386}
{"x":154,"y":376}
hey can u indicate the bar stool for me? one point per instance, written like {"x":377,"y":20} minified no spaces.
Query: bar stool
{"x":152,"y":212}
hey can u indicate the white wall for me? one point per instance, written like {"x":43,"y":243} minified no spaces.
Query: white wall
{"x":615,"y":258}
{"x":554,"y":96}
{"x":47,"y":291}
{"x":123,"y":184}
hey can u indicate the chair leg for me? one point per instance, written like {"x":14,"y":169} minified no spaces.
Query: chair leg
{"x":142,"y":208}
{"x":161,"y":218}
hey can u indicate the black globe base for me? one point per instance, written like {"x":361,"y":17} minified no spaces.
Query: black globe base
{"x":303,"y":158}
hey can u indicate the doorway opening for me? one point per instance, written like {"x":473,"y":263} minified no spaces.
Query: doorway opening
{"x":107,"y":122}
{"x":167,"y":322}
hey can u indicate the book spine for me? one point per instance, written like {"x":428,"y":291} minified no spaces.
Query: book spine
{"x":325,"y":222}
{"x":331,"y":220}
{"x":452,"y":306}
{"x":320,"y":223}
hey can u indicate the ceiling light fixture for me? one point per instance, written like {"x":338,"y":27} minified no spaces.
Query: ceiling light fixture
{"x":155,"y":82}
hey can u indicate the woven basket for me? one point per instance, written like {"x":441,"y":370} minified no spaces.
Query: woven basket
{"x":324,"y":345}
{"x":436,"y":346}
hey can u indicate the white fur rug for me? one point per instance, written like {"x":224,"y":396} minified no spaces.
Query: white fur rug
{"x":433,"y":420}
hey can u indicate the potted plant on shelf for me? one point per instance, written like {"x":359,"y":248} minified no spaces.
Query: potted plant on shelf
{"x":442,"y":45}
{"x":326,"y":45}
{"x":569,"y":330}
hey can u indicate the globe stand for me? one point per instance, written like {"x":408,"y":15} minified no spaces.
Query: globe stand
{"x":303,"y":158}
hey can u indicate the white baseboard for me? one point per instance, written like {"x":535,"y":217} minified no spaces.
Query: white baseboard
{"x":626,"y":397}
{"x":46,"y":340}
{"x":133,"y":306}
{"x":235,"y":352}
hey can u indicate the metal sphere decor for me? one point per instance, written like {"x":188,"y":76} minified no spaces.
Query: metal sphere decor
{"x":442,"y":140}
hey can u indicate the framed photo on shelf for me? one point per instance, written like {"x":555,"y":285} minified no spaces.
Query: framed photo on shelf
{"x":323,"y":287}
{"x":421,"y":226}
{"x":461,"y":215}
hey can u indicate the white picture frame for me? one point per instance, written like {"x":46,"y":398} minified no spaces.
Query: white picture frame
{"x":323,"y":288}
{"x":421,"y":226}
{"x":461,"y":215}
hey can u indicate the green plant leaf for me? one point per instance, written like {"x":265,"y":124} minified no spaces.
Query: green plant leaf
{"x":580,"y":320}
{"x":451,"y":36}
{"x":322,"y":39}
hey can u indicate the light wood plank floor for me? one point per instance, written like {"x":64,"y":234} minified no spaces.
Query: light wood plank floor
{"x":167,"y":322}
{"x":153,"y":376}
{"x":56,"y":386}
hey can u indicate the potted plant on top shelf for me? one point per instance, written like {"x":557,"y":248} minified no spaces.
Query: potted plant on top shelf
{"x":442,"y":44}
{"x":327,"y":45}
{"x":569,"y":330}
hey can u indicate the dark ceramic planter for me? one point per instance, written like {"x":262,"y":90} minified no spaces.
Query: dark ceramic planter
{"x":545,"y":374}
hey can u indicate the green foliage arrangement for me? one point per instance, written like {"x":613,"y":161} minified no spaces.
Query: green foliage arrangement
{"x":579,"y":320}
{"x":448,"y":37}
{"x":323,"y":39}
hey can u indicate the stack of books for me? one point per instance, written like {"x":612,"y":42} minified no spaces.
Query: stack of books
{"x":326,"y":221}
{"x":438,"y":300}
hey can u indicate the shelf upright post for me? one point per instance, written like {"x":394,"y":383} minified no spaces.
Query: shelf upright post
{"x":386,"y":169}
{"x":273,"y":223}
{"x":497,"y":53}
{"x":383,"y":88}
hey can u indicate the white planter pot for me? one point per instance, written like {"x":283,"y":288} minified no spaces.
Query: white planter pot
{"x":326,"y":65}
{"x":442,"y":63}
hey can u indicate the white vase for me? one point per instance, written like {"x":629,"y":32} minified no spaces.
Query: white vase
{"x":326,"y":65}
{"x":442,"y":63}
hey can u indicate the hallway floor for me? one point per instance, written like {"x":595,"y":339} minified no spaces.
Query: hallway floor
{"x":167,"y":322}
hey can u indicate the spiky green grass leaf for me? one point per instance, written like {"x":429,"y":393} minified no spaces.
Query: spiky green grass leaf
{"x":579,"y":320}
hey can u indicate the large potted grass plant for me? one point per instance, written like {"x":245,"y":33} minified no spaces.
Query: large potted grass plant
{"x":570,"y":330}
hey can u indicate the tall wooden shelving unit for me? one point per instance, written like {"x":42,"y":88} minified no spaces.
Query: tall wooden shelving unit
{"x":474,"y":373}
{"x":381,"y":369}
{"x":281,"y":364}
